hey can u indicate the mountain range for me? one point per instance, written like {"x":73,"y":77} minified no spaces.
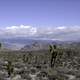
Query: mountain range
{"x":20,"y":43}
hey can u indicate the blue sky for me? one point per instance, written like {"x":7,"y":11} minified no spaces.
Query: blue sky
{"x":40,"y":15}
{"x":39,"y":12}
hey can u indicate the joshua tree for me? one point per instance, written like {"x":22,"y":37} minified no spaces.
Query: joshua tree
{"x":53,"y":51}
{"x":29,"y":57}
{"x":25,"y":58}
{"x":9,"y":68}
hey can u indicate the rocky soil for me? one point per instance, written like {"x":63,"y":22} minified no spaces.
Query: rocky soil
{"x":37,"y":67}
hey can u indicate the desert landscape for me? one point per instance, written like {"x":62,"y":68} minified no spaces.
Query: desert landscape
{"x":33,"y":62}
{"x":39,"y":39}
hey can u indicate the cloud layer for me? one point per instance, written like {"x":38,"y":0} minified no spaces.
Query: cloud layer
{"x":59,"y":33}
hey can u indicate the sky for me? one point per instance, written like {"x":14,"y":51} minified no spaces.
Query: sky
{"x":53,"y":19}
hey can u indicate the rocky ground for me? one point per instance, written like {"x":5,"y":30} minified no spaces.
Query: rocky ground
{"x":37,"y":67}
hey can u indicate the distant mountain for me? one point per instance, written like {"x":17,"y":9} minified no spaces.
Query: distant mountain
{"x":25,"y":43}
{"x":11,"y":46}
{"x":36,"y":46}
{"x":20,"y":43}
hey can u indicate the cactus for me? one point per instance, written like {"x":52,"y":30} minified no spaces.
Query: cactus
{"x":9,"y":68}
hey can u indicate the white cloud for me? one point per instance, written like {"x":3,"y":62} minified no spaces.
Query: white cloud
{"x":19,"y":31}
{"x":60,"y":32}
{"x":61,"y":28}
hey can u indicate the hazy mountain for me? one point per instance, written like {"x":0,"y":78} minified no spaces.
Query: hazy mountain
{"x":26,"y":43}
{"x":34,"y":44}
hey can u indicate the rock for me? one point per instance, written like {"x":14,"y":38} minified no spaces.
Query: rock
{"x":33,"y":76}
{"x":17,"y":77}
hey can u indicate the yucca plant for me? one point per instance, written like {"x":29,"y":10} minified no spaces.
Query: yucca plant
{"x":56,"y":55}
{"x":9,"y":68}
{"x":29,"y":57}
{"x":25,"y":58}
